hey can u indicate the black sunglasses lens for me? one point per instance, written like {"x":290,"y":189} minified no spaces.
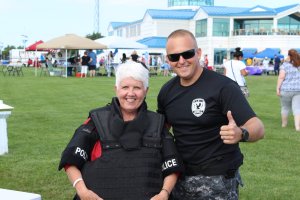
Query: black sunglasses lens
{"x":174,"y":57}
{"x":186,"y":55}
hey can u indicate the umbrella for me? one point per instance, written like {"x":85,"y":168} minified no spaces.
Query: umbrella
{"x":114,"y":42}
{"x":71,"y":41}
{"x":33,"y":47}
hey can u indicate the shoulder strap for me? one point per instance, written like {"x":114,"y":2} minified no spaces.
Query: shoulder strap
{"x":232,"y":71}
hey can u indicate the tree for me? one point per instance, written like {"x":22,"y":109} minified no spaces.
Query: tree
{"x":94,"y":36}
{"x":5,"y":52}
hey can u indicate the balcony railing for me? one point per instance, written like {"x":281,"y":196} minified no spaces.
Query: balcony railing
{"x":238,"y":32}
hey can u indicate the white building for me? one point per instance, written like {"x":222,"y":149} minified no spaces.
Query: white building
{"x":218,"y":29}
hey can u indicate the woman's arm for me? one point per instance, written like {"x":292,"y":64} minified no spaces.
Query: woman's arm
{"x":169,"y":183}
{"x":76,"y":180}
{"x":244,"y":72}
{"x":280,"y":79}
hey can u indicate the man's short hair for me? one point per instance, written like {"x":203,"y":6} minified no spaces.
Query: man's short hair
{"x":182,"y":32}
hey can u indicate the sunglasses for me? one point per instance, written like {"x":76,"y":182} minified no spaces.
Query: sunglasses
{"x":186,"y":55}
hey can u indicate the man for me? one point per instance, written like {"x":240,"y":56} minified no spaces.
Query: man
{"x":277,"y":62}
{"x":92,"y":63}
{"x":209,"y":116}
{"x":266,"y":65}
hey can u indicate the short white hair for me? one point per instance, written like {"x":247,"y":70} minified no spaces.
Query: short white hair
{"x":134,"y":70}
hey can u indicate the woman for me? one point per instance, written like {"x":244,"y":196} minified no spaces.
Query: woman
{"x":288,"y":88}
{"x":236,"y":70}
{"x":85,"y":59}
{"x":123,"y":151}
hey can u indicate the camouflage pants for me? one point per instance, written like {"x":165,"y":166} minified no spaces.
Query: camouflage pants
{"x":207,"y":188}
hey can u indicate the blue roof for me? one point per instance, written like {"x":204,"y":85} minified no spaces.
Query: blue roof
{"x":182,"y":14}
{"x":284,"y":8}
{"x":238,"y":11}
{"x":188,"y":14}
{"x":221,"y":10}
{"x":118,"y":24}
{"x":154,"y":42}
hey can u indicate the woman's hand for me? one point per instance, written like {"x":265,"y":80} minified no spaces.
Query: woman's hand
{"x":278,"y":92}
{"x":163,"y":195}
{"x":88,"y":195}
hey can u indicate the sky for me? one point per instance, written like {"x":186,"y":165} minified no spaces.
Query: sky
{"x":34,"y":20}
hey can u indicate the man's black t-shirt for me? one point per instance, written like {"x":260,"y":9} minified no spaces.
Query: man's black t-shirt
{"x":196,"y":114}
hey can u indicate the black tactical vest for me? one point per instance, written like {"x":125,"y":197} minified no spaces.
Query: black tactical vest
{"x":130,"y":167}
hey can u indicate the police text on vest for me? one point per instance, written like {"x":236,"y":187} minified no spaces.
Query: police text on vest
{"x":169,"y":163}
{"x":82,"y":153}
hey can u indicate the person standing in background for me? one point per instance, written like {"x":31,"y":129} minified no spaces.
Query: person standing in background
{"x":235,"y":69}
{"x":109,"y":63}
{"x":92,"y":63}
{"x":277,"y":62}
{"x":124,"y":58}
{"x":288,"y":88}
{"x":206,"y":61}
{"x":85,"y":59}
{"x":266,"y":65}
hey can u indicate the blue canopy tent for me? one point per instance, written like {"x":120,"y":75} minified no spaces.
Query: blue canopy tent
{"x":269,"y":53}
{"x":249,"y":52}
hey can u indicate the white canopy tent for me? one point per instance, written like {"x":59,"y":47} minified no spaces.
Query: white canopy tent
{"x":114,"y":42}
{"x":71,"y":41}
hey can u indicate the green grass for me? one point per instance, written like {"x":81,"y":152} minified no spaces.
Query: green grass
{"x":48,"y":109}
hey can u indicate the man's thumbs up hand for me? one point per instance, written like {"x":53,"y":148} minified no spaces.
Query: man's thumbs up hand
{"x":231,"y":133}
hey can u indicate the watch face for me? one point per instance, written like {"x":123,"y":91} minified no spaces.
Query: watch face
{"x":245,"y":135}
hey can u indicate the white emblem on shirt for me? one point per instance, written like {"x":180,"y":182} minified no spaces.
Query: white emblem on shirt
{"x":198,"y":107}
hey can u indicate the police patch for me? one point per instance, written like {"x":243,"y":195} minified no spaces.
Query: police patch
{"x":198,"y":107}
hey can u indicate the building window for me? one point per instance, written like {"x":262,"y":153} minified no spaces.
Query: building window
{"x":138,"y":29}
{"x":220,"y":55}
{"x":120,"y":32}
{"x":289,"y":25}
{"x":127,"y":32}
{"x":221,"y":27}
{"x":253,"y":27}
{"x":201,"y":28}
{"x":132,"y":31}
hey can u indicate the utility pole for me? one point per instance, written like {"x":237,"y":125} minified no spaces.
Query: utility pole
{"x":24,"y":40}
{"x":96,"y":17}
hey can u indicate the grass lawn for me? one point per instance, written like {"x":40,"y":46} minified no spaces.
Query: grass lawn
{"x":47,"y":110}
